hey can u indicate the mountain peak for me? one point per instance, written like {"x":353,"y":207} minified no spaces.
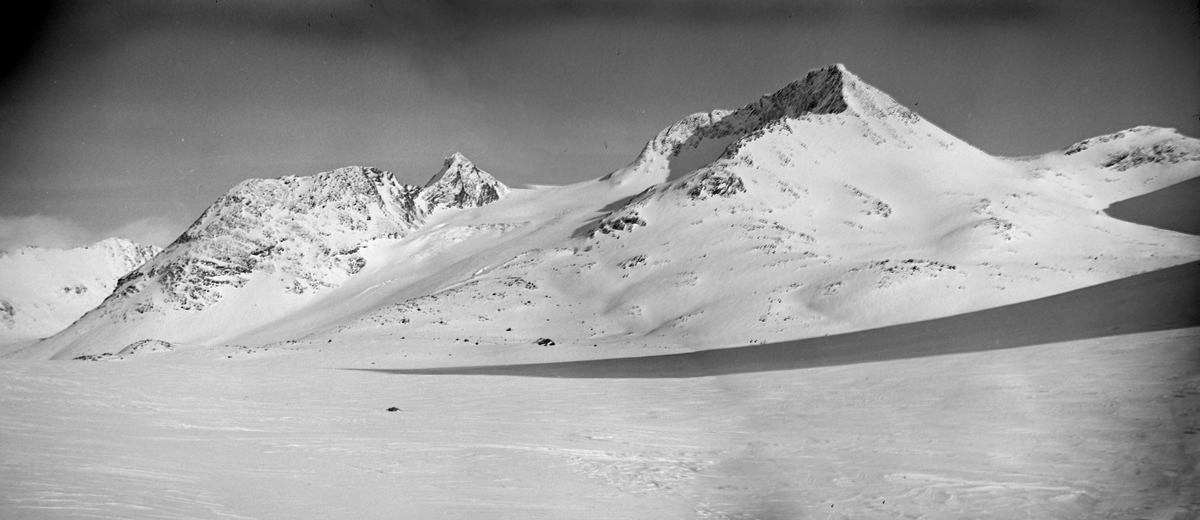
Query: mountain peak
{"x":461,"y":184}
{"x":820,"y":91}
{"x":827,"y":91}
{"x":454,"y":165}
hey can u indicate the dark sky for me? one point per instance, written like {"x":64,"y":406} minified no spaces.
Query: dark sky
{"x":131,"y":117}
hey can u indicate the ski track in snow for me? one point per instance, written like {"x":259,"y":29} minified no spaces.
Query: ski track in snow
{"x":1102,"y":427}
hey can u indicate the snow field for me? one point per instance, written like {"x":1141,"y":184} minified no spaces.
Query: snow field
{"x":1101,"y":427}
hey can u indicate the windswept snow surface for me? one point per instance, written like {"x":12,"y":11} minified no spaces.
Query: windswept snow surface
{"x":1100,"y":428}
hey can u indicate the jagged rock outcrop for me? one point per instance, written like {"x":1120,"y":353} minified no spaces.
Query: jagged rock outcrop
{"x":1169,"y":150}
{"x":825,"y":91}
{"x":460,"y":184}
{"x":713,"y":182}
{"x":8,"y":314}
{"x":304,"y":231}
{"x":828,"y":90}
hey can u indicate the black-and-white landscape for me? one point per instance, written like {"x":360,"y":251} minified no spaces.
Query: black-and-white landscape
{"x":818,"y":304}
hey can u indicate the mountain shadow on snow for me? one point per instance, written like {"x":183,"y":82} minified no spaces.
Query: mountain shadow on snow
{"x":1161,"y":300}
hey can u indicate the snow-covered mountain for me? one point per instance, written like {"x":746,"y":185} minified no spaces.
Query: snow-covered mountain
{"x":305,"y":231}
{"x":43,"y":290}
{"x":270,"y":246}
{"x":833,"y":209}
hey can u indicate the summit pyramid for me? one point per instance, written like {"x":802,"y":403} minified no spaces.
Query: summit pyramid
{"x":461,"y":184}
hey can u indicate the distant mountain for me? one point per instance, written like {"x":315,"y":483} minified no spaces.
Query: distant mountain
{"x":459,"y":185}
{"x":833,"y":209}
{"x":43,"y":290}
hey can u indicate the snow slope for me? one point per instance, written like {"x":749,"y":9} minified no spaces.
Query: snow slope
{"x":834,"y":209}
{"x":43,"y":290}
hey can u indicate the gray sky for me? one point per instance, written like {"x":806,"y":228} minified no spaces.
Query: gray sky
{"x":131,"y":117}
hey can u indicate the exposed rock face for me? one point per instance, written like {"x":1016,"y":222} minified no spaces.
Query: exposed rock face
{"x":305,"y":230}
{"x":460,"y":184}
{"x":626,"y":217}
{"x":614,"y":223}
{"x":829,"y":90}
{"x":1125,"y":150}
{"x":7,"y":314}
{"x":146,"y":345}
{"x":1158,"y":153}
{"x":1117,"y":136}
{"x":713,"y":182}
{"x":308,"y":228}
{"x":819,"y":92}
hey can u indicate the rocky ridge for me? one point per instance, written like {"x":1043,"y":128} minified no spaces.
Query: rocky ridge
{"x":305,"y":232}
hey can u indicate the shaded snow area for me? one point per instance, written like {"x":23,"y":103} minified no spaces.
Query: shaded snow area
{"x":1100,"y":428}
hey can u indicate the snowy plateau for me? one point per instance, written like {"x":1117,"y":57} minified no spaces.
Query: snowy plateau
{"x":850,"y":313}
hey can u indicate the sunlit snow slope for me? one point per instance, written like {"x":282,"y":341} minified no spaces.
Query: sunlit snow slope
{"x":834,"y":209}
{"x":43,"y":290}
